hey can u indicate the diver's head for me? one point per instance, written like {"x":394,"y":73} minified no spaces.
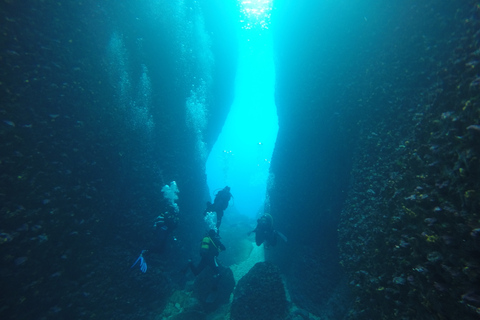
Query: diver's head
{"x":212,"y":233}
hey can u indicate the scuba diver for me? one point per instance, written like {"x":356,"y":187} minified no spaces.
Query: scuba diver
{"x":219,"y":204}
{"x":264,"y":232}
{"x":164,"y":225}
{"x":209,"y":250}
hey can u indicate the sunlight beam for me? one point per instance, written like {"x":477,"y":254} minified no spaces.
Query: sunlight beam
{"x":241,"y":156}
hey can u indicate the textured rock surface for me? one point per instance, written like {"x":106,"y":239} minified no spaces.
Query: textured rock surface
{"x":260,"y":294}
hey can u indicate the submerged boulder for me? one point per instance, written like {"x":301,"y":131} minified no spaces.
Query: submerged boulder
{"x":260,"y":294}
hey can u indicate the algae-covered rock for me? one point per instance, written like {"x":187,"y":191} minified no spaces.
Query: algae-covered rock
{"x":260,"y":294}
{"x":190,"y":315}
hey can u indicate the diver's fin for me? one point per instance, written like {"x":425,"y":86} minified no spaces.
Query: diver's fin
{"x":282,"y":236}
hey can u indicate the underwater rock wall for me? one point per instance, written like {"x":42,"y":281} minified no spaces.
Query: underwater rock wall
{"x":93,"y":125}
{"x":316,"y":97}
{"x":381,"y":114}
{"x":409,"y":235}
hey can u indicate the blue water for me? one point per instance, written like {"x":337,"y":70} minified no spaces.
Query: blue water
{"x":242,"y":154}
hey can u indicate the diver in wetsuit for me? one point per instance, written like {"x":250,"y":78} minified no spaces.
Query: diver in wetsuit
{"x":219,"y":205}
{"x":164,"y":225}
{"x":264,"y":231}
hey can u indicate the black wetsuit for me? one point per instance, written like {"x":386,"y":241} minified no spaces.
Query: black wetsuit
{"x":221,"y":203}
{"x":164,"y":226}
{"x":264,"y":231}
{"x":211,"y":247}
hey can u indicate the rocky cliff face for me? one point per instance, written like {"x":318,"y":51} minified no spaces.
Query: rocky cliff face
{"x":98,"y":111}
{"x":384,"y":94}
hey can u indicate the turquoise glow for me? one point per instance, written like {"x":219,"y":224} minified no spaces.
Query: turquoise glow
{"x":241,"y":156}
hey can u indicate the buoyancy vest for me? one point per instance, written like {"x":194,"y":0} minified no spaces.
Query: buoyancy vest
{"x":208,"y":247}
